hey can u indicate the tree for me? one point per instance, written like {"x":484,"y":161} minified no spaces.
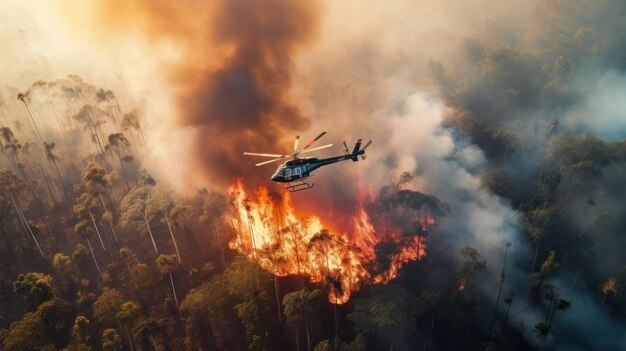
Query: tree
{"x":211,"y":322}
{"x":49,"y":148}
{"x":133,"y":120}
{"x":80,"y":336}
{"x":91,"y":118}
{"x":147,"y":332}
{"x":248,"y":282}
{"x":107,"y":307}
{"x":95,"y":182}
{"x":502,"y":276}
{"x":161,"y":203}
{"x":27,"y":334}
{"x":166,"y":264}
{"x":136,"y":215}
{"x":299,"y":309}
{"x":66,"y":272}
{"x":84,"y":231}
{"x":34,"y":287}
{"x":12,"y":187}
{"x":118,"y":143}
{"x":111,"y":340}
{"x":127,"y":316}
{"x":610,"y":286}
{"x":471,"y":269}
{"x":387,"y":312}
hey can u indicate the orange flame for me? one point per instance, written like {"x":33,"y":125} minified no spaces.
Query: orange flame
{"x":271,"y":233}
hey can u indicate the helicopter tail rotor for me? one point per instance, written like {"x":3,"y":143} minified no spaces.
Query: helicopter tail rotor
{"x":364,"y":156}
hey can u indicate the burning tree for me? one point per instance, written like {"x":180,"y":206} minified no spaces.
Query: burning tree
{"x":270,"y":232}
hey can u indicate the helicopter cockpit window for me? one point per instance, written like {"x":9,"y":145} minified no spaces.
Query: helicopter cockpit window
{"x":288,"y":172}
{"x":280,"y":171}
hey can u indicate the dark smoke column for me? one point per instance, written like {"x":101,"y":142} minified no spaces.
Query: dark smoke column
{"x":240,"y":101}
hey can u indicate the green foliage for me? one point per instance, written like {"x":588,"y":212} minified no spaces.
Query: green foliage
{"x":27,"y":335}
{"x":111,"y":340}
{"x":323,"y":345}
{"x":167,"y":263}
{"x":471,"y":269}
{"x":248,"y":282}
{"x":35,"y":288}
{"x":582,"y":157}
{"x":299,"y":306}
{"x":129,"y":312}
{"x":107,"y":306}
{"x":387,"y":312}
{"x":44,"y":329}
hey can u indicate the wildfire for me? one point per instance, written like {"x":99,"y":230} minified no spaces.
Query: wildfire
{"x":271,"y":233}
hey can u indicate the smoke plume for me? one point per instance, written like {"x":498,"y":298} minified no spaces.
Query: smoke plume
{"x":231,"y":74}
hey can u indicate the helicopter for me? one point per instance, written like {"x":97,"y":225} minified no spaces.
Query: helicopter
{"x":295,"y":171}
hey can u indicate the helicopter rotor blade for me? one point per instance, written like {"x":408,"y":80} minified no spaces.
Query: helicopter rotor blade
{"x":270,"y":161}
{"x":262,"y":155}
{"x":313,"y":141}
{"x":366,"y":145}
{"x":297,"y":142}
{"x":316,"y":148}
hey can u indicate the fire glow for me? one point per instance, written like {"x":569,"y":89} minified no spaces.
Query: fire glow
{"x":271,"y":233}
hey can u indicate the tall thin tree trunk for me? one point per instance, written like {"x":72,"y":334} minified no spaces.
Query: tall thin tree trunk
{"x":54,"y":198}
{"x":25,"y":224}
{"x":110,"y":219}
{"x":169,"y":227}
{"x":97,"y":230}
{"x":143,"y":139}
{"x":56,"y":189}
{"x":119,"y":157}
{"x":280,"y":319}
{"x":495,"y":308}
{"x":308,"y":336}
{"x":56,"y":165}
{"x":34,"y":124}
{"x":94,"y":256}
{"x":297,"y":340}
{"x":124,"y":332}
{"x":150,"y":233}
{"x":219,"y":239}
{"x":173,"y":289}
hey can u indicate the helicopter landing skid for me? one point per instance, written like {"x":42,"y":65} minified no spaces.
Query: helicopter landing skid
{"x":299,"y":186}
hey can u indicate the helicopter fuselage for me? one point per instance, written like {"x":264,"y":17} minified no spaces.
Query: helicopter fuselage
{"x":301,"y":168}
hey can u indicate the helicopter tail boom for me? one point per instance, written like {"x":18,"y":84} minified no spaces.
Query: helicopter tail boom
{"x":357,"y":151}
